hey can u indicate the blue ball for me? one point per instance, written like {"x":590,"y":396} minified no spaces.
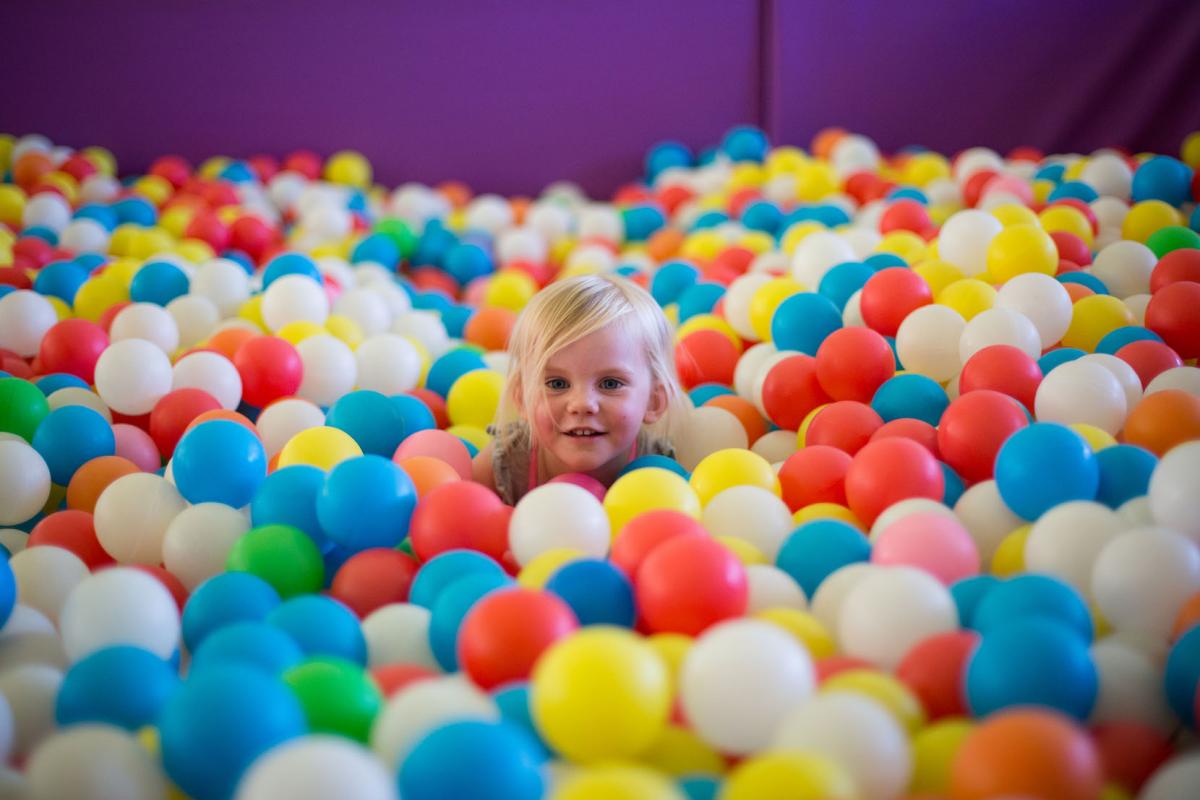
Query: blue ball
{"x":435,"y":242}
{"x":1182,"y":675}
{"x":451,"y":608}
{"x":642,"y":221}
{"x":240,"y":258}
{"x":219,"y":461}
{"x":321,"y":626}
{"x":762,"y":215}
{"x":710,"y":219}
{"x":1051,"y":172}
{"x":1076,"y":190}
{"x":1084,"y":279}
{"x":841,"y":282}
{"x":91,"y":261}
{"x":1043,"y":465}
{"x":377,"y":247}
{"x":219,"y":721}
{"x":49,"y":384}
{"x":659,"y":461}
{"x":451,"y":366}
{"x":466,"y":262}
{"x":1033,"y":596}
{"x":60,"y":279}
{"x":699,"y":299}
{"x":8,"y":590}
{"x":596,"y":591}
{"x":251,"y":644}
{"x":671,"y":279}
{"x":1032,"y":662}
{"x":817,"y":549}
{"x":908,"y":193}
{"x":1125,"y":471}
{"x":444,"y":569}
{"x":475,"y":759}
{"x":414,"y":414}
{"x":288,"y":496}
{"x":238,"y":172}
{"x":704,"y":392}
{"x":1194,"y":221}
{"x":137,"y":210}
{"x":911,"y":395}
{"x":225,"y":599}
{"x":745,"y":143}
{"x":289,"y":264}
{"x":102,"y":214}
{"x":432,"y":300}
{"x":700,"y":787}
{"x":1115,"y":340}
{"x":1163,"y":178}
{"x":513,"y":701}
{"x":69,"y":437}
{"x":371,"y":419}
{"x":954,"y":486}
{"x":1057,"y":357}
{"x":968,"y":593}
{"x":119,"y":685}
{"x":802,"y":321}
{"x":366,"y":502}
{"x":878,"y":261}
{"x":158,"y":282}
{"x":666,"y":155}
{"x":455,"y":318}
{"x":6,"y":288}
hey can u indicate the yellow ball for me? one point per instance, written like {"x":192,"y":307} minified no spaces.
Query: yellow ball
{"x":940,"y":212}
{"x":251,"y":311}
{"x":471,"y":433}
{"x":345,"y":329}
{"x":802,"y":432}
{"x":934,"y":749}
{"x":152,"y":241}
{"x":1068,"y":220}
{"x":766,"y":300}
{"x":474,"y":397}
{"x":1094,"y":317}
{"x":826,"y":511}
{"x":123,"y":270}
{"x":680,"y":752}
{"x":7,"y":142}
{"x":617,"y":782}
{"x":672,"y":648}
{"x":1189,"y":153}
{"x":969,"y":296}
{"x":938,"y":274}
{"x":12,"y":204}
{"x":733,"y":466}
{"x":1096,"y":438}
{"x":645,"y":490}
{"x":123,"y":239}
{"x":299,"y":330}
{"x":703,"y":244}
{"x":103,"y":159}
{"x":784,"y":160}
{"x":789,"y":775}
{"x":709,"y":322}
{"x":535,"y":574}
{"x":601,"y":693}
{"x":212,"y":167}
{"x":176,"y":219}
{"x":746,"y":175}
{"x":196,"y":251}
{"x":926,"y":167}
{"x":349,"y":169}
{"x":816,"y":180}
{"x":511,"y":289}
{"x":757,"y":242}
{"x":1009,"y":558}
{"x":65,"y":183}
{"x":805,"y":627}
{"x":797,"y":233}
{"x":1074,"y":170}
{"x":1042,"y":189}
{"x":154,"y":188}
{"x":99,"y":294}
{"x":888,"y":691}
{"x":1021,"y":248}
{"x":906,"y":244}
{"x":1146,"y":218}
{"x":1015,"y":214}
{"x":61,"y":309}
{"x":322,"y":447}
{"x":746,"y":553}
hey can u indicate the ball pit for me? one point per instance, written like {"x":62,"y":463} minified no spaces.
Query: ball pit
{"x":934,"y":515}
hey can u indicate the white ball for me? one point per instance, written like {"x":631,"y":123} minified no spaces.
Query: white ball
{"x":13,"y":540}
{"x":891,"y":610}
{"x":46,"y":210}
{"x":816,"y":254}
{"x":1109,"y":175}
{"x":928,"y":342}
{"x":752,"y":514}
{"x":425,"y":327}
{"x":1175,"y":780}
{"x":285,"y":188}
{"x":398,"y":633}
{"x":1125,"y":268}
{"x":827,"y":601}
{"x":537,"y":523}
{"x":549,"y":219}
{"x":197,"y":542}
{"x":388,"y":363}
{"x":84,"y":236}
{"x":1136,"y":512}
{"x":282,"y":420}
{"x":94,"y":762}
{"x":592,"y":258}
{"x":330,"y":369}
{"x":294,"y":298}
{"x":774,"y":673}
{"x":147,"y":321}
{"x":858,"y":734}
{"x":521,"y":244}
{"x":1081,"y":391}
{"x":132,"y":515}
{"x":1136,"y":304}
{"x":1131,"y":384}
{"x":854,"y":153}
{"x":765,"y":366}
{"x":1174,"y":490}
{"x":99,"y":188}
{"x":999,"y":325}
{"x":1042,"y":300}
{"x":601,"y":222}
{"x":24,"y":482}
{"x":1066,"y":541}
{"x":906,"y":508}
{"x":6,"y":729}
{"x":771,"y":587}
{"x":31,"y":690}
{"x":344,"y":275}
{"x":706,"y":430}
{"x":1142,"y":578}
{"x":745,"y":374}
{"x":25,"y":316}
{"x":326,"y":221}
{"x":317,"y":767}
{"x":1130,"y":687}
{"x":132,"y":375}
{"x":974,"y":159}
{"x":366,"y":306}
{"x":195,"y":316}
{"x":25,"y":620}
{"x":1186,"y":379}
{"x":776,"y":446}
{"x":45,"y":577}
{"x":862,"y":240}
{"x":211,"y":372}
{"x":224,"y":282}
{"x":78,"y":396}
{"x":964,"y":238}
{"x":414,"y":203}
{"x":120,"y":605}
{"x":422,"y":706}
{"x":489,"y":212}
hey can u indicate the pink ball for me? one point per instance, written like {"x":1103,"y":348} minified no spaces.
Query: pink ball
{"x":438,"y":444}
{"x":1010,"y":184}
{"x":136,"y":445}
{"x":584,"y":481}
{"x":935,"y":543}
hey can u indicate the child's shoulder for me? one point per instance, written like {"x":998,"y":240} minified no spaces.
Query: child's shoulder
{"x":507,"y":459}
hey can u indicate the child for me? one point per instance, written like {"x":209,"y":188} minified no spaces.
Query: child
{"x":591,"y":386}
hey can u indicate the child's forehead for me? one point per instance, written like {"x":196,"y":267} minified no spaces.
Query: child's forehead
{"x":612,"y":345}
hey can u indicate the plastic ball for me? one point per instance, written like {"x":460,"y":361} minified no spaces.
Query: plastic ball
{"x":974,"y":428}
{"x":1125,"y":472}
{"x":132,"y":515}
{"x":790,"y":390}
{"x":1142,"y":578}
{"x":212,"y":373}
{"x":119,"y":606}
{"x":433,"y":768}
{"x":999,"y":326}
{"x":1094,"y":317}
{"x":890,"y":295}
{"x":132,"y":375}
{"x":803,"y":321}
{"x":536,"y":526}
{"x":175,"y":413}
{"x":438,"y":444}
{"x":927,"y":342}
{"x":1018,"y":249}
{"x":888,"y":470}
{"x":121,"y":685}
{"x":457,"y":516}
{"x":1003,"y":368}
{"x":318,"y":446}
{"x":219,"y":461}
{"x":852,"y":363}
{"x":146,"y":321}
{"x":1174,"y":501}
{"x":1042,"y":300}
{"x":338,"y":697}
{"x":804,"y":776}
{"x":844,"y":424}
{"x":890,"y":610}
{"x":474,"y":397}
{"x":317,"y":767}
{"x":1043,"y":465}
{"x":932,"y":542}
{"x":224,"y":600}
{"x":88,"y":760}
{"x":646,"y":490}
{"x":596,"y":591}
{"x":367,"y":501}
{"x":689,"y":583}
{"x":270,"y":368}
{"x":373,"y":578}
{"x":910,"y":396}
{"x":71,"y":530}
{"x":68,"y":437}
{"x":24,"y":407}
{"x":505,"y":632}
{"x":43,"y":577}
{"x":732,"y":467}
{"x":1168,"y":315}
{"x":706,"y":356}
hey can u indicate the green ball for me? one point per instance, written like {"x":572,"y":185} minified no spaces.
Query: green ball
{"x":281,"y":555}
{"x":338,"y":697}
{"x":1172,"y":237}
{"x":22,"y":407}
{"x":399,"y":232}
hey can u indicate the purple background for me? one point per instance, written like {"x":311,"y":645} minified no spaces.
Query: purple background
{"x":510,"y":96}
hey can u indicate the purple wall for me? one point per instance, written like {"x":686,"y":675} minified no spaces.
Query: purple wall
{"x":511,"y":96}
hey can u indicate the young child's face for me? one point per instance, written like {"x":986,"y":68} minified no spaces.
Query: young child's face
{"x":598,"y":391}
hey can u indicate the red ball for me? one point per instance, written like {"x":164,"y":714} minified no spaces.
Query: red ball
{"x":935,"y":670}
{"x":973,"y":188}
{"x":972,"y":430}
{"x":394,"y":678}
{"x":829,"y":666}
{"x":15,"y":365}
{"x":1072,"y":248}
{"x":79,"y":167}
{"x":15,"y":277}
{"x":890,"y":295}
{"x":174,"y":169}
{"x":306,"y":162}
{"x":252,"y":236}
{"x":71,"y":530}
{"x":38,"y":252}
{"x":426,"y":278}
{"x":706,"y":356}
{"x":460,"y":515}
{"x":1178,"y":265}
{"x":270,"y":369}
{"x":505,"y":633}
{"x":109,"y":314}
{"x":645,"y":532}
{"x":1131,"y":752}
{"x":373,"y":578}
{"x":888,"y":471}
{"x":791,"y":390}
{"x":815,"y":474}
{"x":264,"y":166}
{"x":1003,"y":368}
{"x":1148,"y":358}
{"x":174,"y":412}
{"x":73,"y":346}
{"x":905,"y":215}
{"x":918,"y":430}
{"x":845,"y":424}
{"x":208,"y":227}
{"x":853,"y":362}
{"x":1171,"y":314}
{"x":690,"y":583}
{"x":436,"y":404}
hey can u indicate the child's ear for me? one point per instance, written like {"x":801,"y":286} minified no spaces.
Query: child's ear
{"x":657,"y":405}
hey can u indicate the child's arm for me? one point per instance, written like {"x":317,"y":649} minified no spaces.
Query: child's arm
{"x":481,"y":468}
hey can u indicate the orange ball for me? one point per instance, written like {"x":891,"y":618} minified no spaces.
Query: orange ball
{"x":520,"y":207}
{"x":1077,"y":291}
{"x":223,"y":413}
{"x":93,"y":478}
{"x":746,"y":413}
{"x":1027,"y":753}
{"x":30,"y":167}
{"x":229,"y":341}
{"x":428,"y":473}
{"x":825,"y":140}
{"x":457,"y":192}
{"x":1162,"y":420}
{"x":490,"y":327}
{"x":1188,"y":617}
{"x":664,"y":243}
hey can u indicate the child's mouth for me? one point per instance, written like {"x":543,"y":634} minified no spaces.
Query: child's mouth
{"x":583,"y":433}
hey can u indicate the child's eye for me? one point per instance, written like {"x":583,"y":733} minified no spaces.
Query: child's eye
{"x":556,"y":384}
{"x":611,"y":384}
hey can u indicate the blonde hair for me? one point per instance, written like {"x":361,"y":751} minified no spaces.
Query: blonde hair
{"x":567,"y":311}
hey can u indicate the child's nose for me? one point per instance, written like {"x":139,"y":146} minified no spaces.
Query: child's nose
{"x":583,"y":401}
